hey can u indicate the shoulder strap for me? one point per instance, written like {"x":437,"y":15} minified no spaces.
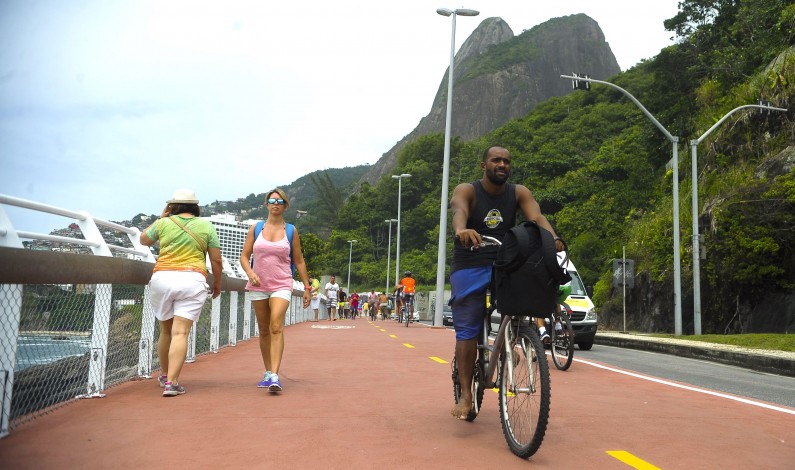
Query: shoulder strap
{"x":257,"y":231}
{"x":290,"y":229}
{"x":202,"y":244}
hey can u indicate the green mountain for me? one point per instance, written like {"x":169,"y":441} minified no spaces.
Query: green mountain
{"x":601,"y":171}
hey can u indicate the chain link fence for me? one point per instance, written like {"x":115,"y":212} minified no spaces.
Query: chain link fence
{"x":77,"y":337}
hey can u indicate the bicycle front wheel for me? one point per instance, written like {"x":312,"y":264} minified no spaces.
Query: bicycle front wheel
{"x":524,"y":391}
{"x":562,"y":340}
{"x":478,"y":387}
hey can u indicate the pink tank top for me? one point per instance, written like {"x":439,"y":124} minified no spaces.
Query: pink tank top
{"x":272,"y":265}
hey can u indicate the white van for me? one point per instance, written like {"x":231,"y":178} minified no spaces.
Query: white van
{"x":583,"y":312}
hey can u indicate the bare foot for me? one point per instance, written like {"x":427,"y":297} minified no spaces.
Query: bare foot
{"x":462,"y":409}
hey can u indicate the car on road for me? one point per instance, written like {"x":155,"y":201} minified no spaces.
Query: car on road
{"x":582,"y":310}
{"x":447,"y":316}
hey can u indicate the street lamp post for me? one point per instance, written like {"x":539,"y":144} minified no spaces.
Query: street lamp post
{"x":694,"y":176}
{"x":397,"y":250}
{"x":388,"y":254}
{"x":675,"y":161}
{"x":350,"y":255}
{"x":440,"y":260}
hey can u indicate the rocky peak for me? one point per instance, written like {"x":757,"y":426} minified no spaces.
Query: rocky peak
{"x":499,"y":77}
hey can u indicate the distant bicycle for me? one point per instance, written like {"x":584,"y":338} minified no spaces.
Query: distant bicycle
{"x":408,"y":304}
{"x":561,"y":335}
{"x":517,"y":356}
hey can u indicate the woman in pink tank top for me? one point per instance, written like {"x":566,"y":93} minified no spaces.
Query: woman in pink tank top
{"x":270,"y":282}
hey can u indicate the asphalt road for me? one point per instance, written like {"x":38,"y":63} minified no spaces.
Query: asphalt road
{"x":747,"y":383}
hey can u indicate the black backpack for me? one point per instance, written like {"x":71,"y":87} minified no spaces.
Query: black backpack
{"x":526,"y":273}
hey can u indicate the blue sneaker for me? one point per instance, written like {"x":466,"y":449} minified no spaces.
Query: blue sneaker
{"x":266,"y":380}
{"x":275,"y":385}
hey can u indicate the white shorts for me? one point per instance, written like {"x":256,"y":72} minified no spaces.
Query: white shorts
{"x":332,"y":303}
{"x":279,"y":294}
{"x":178,"y":293}
{"x":315,"y":304}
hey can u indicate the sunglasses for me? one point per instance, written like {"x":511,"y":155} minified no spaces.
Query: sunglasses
{"x":275,"y":201}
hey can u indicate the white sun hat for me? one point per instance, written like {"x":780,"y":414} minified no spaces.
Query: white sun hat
{"x":183,"y":196}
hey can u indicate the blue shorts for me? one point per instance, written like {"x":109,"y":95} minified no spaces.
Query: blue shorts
{"x":469,"y":300}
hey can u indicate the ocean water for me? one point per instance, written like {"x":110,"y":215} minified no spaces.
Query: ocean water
{"x":36,"y":350}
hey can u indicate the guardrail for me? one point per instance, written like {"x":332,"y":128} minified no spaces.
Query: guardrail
{"x":89,"y":226}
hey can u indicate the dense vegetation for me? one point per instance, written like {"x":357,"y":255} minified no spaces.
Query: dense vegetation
{"x":600,"y":169}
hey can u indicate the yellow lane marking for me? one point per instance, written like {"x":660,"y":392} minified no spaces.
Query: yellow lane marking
{"x":408,"y":345}
{"x":393,"y":336}
{"x":382,"y":329}
{"x":631,"y":460}
{"x":438,"y":359}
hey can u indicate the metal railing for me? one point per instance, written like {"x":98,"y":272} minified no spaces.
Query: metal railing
{"x":73,"y":325}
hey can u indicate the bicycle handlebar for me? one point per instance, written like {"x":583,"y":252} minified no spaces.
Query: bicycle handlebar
{"x":487,"y":241}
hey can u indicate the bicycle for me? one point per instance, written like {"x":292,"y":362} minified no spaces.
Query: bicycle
{"x":408,"y":303}
{"x":522,"y":379}
{"x":561,"y":335}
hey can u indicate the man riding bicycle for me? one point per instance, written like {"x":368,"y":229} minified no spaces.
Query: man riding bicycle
{"x":406,"y":287}
{"x":485,"y":207}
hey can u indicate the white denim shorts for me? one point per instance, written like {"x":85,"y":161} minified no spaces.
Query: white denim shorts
{"x":279,"y":294}
{"x":178,"y":293}
{"x":315,"y":303}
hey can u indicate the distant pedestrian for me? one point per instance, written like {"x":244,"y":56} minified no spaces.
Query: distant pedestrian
{"x":315,"y":304}
{"x":178,"y":288}
{"x":354,"y":299}
{"x":270,"y":282}
{"x":344,"y":305}
{"x":331,"y":291}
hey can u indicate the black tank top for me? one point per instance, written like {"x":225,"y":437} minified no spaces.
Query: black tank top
{"x":492,"y":216}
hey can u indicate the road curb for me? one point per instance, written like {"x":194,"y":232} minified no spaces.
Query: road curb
{"x":758,"y":361}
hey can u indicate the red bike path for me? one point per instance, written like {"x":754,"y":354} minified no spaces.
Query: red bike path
{"x":374,"y":395}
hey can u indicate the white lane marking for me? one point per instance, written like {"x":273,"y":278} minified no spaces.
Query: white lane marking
{"x":692,"y":389}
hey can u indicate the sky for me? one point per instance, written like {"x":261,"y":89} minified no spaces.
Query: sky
{"x":107,"y":106}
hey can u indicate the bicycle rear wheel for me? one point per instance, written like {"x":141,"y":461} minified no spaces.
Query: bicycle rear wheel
{"x":562,"y":340}
{"x":524,"y":391}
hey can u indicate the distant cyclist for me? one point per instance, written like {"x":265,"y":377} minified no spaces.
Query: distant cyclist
{"x":408,"y":283}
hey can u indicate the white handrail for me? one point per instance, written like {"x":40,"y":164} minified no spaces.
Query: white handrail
{"x":88,"y":225}
{"x":26,"y":204}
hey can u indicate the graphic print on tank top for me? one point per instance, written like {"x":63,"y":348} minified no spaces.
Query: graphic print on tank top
{"x":493,"y":218}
